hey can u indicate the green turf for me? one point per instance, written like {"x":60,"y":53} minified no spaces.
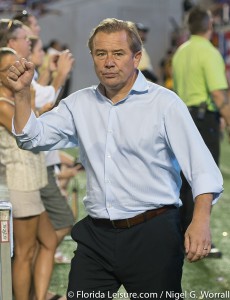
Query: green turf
{"x":213,"y":275}
{"x":208,"y":275}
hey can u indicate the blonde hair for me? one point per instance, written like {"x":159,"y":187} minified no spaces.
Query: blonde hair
{"x":6,"y":51}
{"x":7,"y":30}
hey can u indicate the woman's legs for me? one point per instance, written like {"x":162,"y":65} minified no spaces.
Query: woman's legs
{"x":45,"y":257}
{"x":25,"y":231}
{"x":28,"y":233}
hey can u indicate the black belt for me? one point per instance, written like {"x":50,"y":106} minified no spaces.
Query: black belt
{"x":127,"y":223}
{"x":196,"y":108}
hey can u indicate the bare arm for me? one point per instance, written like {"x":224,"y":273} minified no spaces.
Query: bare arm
{"x":6,"y":115}
{"x":47,"y":70}
{"x":64,"y":66}
{"x":198,"y":235}
{"x":19,"y":77}
{"x":222,"y":101}
{"x":68,"y":172}
{"x":44,"y":77}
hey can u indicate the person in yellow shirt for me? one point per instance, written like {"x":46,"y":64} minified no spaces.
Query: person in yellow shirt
{"x":200,"y":81}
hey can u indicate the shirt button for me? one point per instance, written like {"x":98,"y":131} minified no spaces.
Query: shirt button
{"x":107,"y":180}
{"x":109,"y":156}
{"x":110,"y":131}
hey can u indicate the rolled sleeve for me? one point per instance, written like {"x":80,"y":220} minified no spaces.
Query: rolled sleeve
{"x":45,"y":133}
{"x":206,"y":183}
{"x":28,"y":133}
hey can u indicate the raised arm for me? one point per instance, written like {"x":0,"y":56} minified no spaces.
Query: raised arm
{"x":64,"y":66}
{"x":19,"y":77}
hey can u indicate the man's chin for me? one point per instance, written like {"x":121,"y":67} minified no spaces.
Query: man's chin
{"x":110,"y":84}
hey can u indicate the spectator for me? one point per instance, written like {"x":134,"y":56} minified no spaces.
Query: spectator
{"x":53,"y":50}
{"x":54,"y":47}
{"x":62,"y":65}
{"x":145,"y":64}
{"x":13,"y":34}
{"x":55,"y":203}
{"x":166,"y":70}
{"x":29,"y":20}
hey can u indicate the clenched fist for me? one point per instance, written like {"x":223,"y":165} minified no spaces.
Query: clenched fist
{"x":20,"y":75}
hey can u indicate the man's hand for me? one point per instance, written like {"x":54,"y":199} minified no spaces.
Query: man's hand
{"x":20,"y":75}
{"x":65,"y":62}
{"x":197,"y":240}
{"x":198,"y":235}
{"x":52,"y":62}
{"x":64,"y":66}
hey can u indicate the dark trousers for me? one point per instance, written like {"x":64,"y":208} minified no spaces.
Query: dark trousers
{"x":209,"y":129}
{"x":146,"y":258}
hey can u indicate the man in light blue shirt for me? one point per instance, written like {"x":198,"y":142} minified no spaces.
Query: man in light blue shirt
{"x":134,"y":138}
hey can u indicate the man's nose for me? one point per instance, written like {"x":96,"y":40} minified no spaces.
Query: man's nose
{"x":109,"y":62}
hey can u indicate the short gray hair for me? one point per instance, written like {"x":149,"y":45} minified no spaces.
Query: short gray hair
{"x":112,"y":25}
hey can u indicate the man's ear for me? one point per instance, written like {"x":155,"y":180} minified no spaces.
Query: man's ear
{"x":10,"y":43}
{"x":137,"y":58}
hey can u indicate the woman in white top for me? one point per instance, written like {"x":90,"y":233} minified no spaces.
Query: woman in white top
{"x":34,"y":237}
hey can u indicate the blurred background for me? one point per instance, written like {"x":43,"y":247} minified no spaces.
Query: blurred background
{"x":70,"y":22}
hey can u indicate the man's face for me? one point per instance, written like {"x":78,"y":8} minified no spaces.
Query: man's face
{"x":114,"y":63}
{"x":21,"y":43}
{"x":37,"y":55}
{"x":34,"y":25}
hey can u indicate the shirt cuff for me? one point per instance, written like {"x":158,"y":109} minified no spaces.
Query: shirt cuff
{"x":207,"y":184}
{"x":25,"y":134}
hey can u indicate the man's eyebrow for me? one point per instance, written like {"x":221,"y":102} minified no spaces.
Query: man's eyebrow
{"x":119,"y":50}
{"x":101,"y":50}
{"x":115,"y":50}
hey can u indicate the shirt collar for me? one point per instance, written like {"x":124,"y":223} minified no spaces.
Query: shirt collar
{"x":140,"y":85}
{"x":195,"y":37}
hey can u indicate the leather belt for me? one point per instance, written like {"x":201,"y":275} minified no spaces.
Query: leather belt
{"x":127,"y":223}
{"x":196,"y":108}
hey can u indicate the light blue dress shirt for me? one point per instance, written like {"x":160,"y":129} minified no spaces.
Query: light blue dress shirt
{"x":132,"y":150}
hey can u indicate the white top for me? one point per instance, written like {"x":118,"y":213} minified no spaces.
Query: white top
{"x":43,"y":94}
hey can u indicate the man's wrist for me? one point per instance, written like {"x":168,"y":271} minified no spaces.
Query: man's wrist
{"x":23,"y":93}
{"x":227,"y":128}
